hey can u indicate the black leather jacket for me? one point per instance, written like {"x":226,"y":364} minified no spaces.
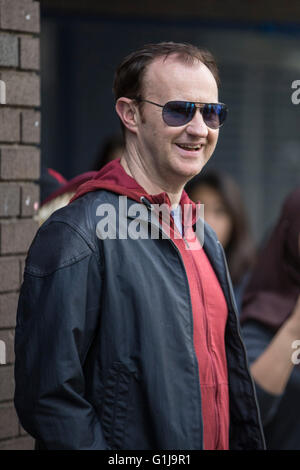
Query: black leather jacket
{"x":102,"y":361}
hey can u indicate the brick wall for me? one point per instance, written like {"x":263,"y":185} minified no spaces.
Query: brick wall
{"x":20,"y":124}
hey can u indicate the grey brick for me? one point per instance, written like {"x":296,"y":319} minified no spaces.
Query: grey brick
{"x":16,"y":237}
{"x":19,"y":163}
{"x":22,"y":88}
{"x":9,"y":199}
{"x":31,"y":127}
{"x":9,"y":125}
{"x":8,"y":337}
{"x":18,"y":443}
{"x":29,"y":53}
{"x":7,"y":382}
{"x":9,"y":274}
{"x":20,"y":15}
{"x":30,"y":197}
{"x":8,"y":309}
{"x":22,"y":431}
{"x":22,"y":261}
{"x":8,"y":421}
{"x":8,"y":50}
{"x":2,"y":92}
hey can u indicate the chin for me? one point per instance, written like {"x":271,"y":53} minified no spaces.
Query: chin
{"x":190,"y":169}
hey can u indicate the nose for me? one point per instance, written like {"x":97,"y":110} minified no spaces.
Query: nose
{"x":197,"y":126}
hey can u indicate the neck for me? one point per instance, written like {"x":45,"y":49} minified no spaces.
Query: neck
{"x":135,"y":168}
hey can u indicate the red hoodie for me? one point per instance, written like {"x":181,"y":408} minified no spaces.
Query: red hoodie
{"x":208,"y":304}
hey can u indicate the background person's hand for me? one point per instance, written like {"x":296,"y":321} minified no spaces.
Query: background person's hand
{"x":293,"y":322}
{"x":272,"y":369}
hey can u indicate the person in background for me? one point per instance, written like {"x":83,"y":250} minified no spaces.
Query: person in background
{"x":56,"y":191}
{"x":50,"y":181}
{"x":61,"y":196}
{"x":225,"y":212}
{"x":271,"y":328}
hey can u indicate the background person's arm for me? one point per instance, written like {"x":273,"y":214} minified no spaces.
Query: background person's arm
{"x":272,"y":369}
{"x":58,"y":315}
{"x":258,"y":339}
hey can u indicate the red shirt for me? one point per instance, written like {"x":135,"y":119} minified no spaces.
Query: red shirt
{"x":209,"y":322}
{"x":209,"y":316}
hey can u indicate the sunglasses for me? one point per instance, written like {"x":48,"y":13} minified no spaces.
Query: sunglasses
{"x":179,"y":113}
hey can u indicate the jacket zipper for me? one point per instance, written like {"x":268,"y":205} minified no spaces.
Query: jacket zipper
{"x":242,"y":343}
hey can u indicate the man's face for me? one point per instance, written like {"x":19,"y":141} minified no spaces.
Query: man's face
{"x":160,"y":145}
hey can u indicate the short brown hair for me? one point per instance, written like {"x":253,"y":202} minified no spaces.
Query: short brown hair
{"x":128,"y":80}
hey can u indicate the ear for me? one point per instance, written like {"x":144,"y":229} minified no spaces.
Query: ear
{"x":127,"y":112}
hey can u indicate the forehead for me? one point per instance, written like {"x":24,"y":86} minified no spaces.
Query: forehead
{"x":172,"y":79}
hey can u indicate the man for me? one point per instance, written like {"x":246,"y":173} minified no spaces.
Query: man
{"x":130,"y":341}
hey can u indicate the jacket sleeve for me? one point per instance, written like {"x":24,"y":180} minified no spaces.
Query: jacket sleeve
{"x":57,"y":318}
{"x":257,"y":338}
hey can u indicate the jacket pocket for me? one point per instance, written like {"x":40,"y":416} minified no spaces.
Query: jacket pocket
{"x":115,"y":404}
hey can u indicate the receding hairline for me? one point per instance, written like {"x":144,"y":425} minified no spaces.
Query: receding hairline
{"x":179,"y":57}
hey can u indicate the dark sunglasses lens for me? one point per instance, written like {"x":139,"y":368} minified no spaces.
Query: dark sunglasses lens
{"x":178,"y":113}
{"x":214,"y":115}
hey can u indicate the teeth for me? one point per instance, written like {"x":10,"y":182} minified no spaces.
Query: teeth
{"x":190,"y":147}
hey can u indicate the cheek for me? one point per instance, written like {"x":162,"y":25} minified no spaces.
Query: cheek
{"x":227,"y":227}
{"x":212,"y":138}
{"x":161,"y":135}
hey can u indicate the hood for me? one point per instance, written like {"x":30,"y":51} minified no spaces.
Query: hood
{"x":112,"y":177}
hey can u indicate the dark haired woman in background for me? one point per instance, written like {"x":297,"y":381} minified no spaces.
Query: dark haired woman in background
{"x":224,"y":211}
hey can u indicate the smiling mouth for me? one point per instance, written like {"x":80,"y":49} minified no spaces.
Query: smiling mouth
{"x":190,"y":147}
